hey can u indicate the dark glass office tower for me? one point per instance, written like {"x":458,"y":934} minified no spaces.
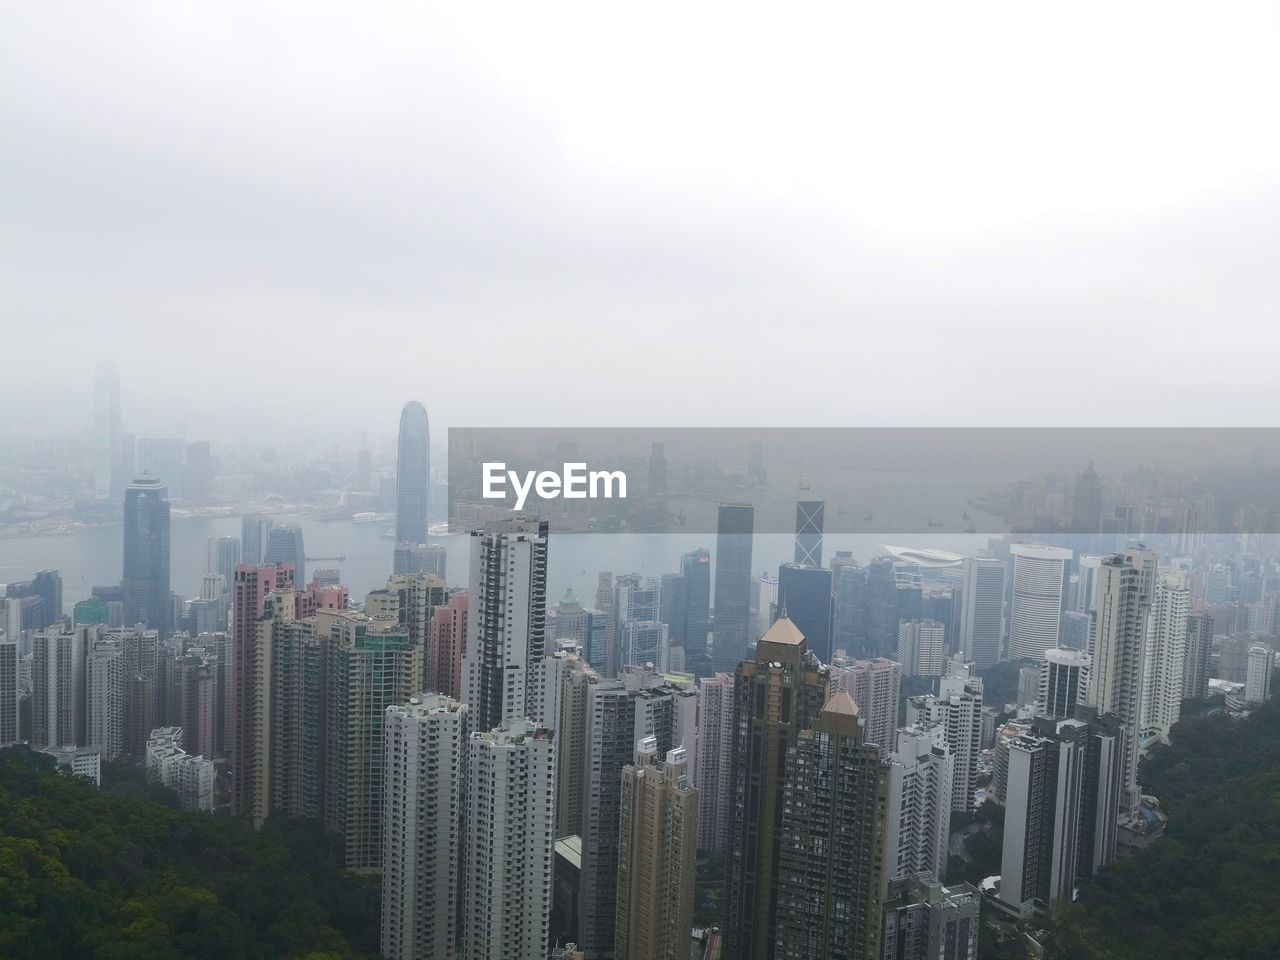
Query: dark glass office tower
{"x":411,"y":475}
{"x":284,"y":545}
{"x":734,"y":527}
{"x":146,"y":555}
{"x":804,"y":592}
{"x":695,"y":568}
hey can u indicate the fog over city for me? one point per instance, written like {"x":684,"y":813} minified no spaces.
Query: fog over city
{"x":286,"y":220}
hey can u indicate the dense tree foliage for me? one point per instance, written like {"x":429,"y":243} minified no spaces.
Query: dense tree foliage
{"x":1210,"y":887}
{"x":84,"y":873}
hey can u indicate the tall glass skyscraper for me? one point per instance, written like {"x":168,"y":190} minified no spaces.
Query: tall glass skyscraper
{"x":146,"y":555}
{"x":734,"y":528}
{"x":284,"y":545}
{"x":411,"y":475}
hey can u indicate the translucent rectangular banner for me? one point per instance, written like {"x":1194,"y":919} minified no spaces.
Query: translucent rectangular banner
{"x":815,"y":481}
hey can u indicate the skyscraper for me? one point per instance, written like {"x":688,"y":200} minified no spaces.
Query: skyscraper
{"x":923,"y":920}
{"x":1164,"y":657}
{"x":715,"y":760}
{"x":637,"y":626}
{"x":921,"y":648}
{"x":1063,"y":683}
{"x":848,"y":608}
{"x":1042,"y":816}
{"x":372,"y":666}
{"x":254,"y":530}
{"x":657,"y":841}
{"x":1086,"y":504}
{"x":1195,"y":665}
{"x":875,"y":686}
{"x":284,"y":546}
{"x":412,"y":475}
{"x":426,"y":783}
{"x":809,"y":532}
{"x":981,"y":618}
{"x":1257,"y":681}
{"x":1039,"y":580}
{"x":506,"y":619}
{"x":805,"y":593}
{"x":831,"y":858}
{"x":921,"y":777}
{"x":446,"y":640}
{"x":1122,"y":603}
{"x":146,"y":555}
{"x":8,"y":691}
{"x":224,"y":555}
{"x":958,"y":708}
{"x":734,"y":528}
{"x":695,"y":569}
{"x":248,"y":695}
{"x":58,"y":686}
{"x":508,"y":860}
{"x":766,"y":724}
{"x":620,"y":713}
{"x":104,"y":698}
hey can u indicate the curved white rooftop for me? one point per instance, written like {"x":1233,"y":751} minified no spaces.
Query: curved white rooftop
{"x":924,"y":556}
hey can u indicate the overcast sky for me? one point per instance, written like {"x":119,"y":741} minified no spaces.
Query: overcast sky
{"x":298,"y":216}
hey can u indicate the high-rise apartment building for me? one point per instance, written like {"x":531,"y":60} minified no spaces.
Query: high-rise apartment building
{"x":715,"y":760}
{"x":559,"y":701}
{"x":423,"y":814}
{"x":921,"y":648}
{"x":105,"y":698}
{"x":1165,"y":656}
{"x":831,"y":858}
{"x":1257,"y":681}
{"x":412,"y":476}
{"x":58,"y":686}
{"x":981,"y":617}
{"x":1195,"y":665}
{"x":776,"y":696}
{"x":510,"y":810}
{"x":1042,"y":816}
{"x":958,"y":709}
{"x":145,"y":583}
{"x":1063,"y":683}
{"x":1039,"y":583}
{"x":735,"y":526}
{"x":875,"y":686}
{"x":248,"y":688}
{"x":8,"y":691}
{"x":657,"y":841}
{"x":372,"y":666}
{"x":921,"y":778}
{"x":923,"y":920}
{"x":1126,"y":584}
{"x":621,"y":713}
{"x":506,"y":618}
{"x":446,"y":641}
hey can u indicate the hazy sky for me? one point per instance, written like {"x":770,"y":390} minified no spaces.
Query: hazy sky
{"x":298,"y":216}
